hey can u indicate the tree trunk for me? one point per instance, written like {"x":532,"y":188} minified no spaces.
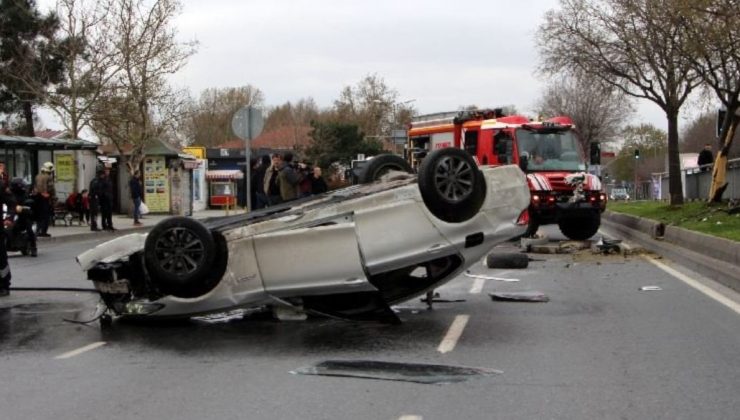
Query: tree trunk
{"x":675,"y":188}
{"x":28,"y":116}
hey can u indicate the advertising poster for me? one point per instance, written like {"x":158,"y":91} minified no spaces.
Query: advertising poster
{"x":156,"y":185}
{"x":65,"y":167}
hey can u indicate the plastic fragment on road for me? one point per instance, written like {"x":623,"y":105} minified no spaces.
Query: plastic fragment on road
{"x":650,"y":288}
{"x":520,"y":296}
{"x":480,"y":276}
{"x":393,"y":371}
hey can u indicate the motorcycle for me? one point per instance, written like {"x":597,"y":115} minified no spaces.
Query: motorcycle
{"x":17,"y":238}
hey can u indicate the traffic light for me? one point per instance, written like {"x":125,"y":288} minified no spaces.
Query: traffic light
{"x":637,"y":153}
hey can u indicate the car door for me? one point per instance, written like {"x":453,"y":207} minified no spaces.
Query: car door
{"x":311,"y":261}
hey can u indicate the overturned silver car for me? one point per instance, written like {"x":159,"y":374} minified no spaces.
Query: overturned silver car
{"x":348,"y":253}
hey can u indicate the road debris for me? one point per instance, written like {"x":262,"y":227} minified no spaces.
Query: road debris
{"x":507,"y":260}
{"x":527,"y":296}
{"x":650,"y":288}
{"x":393,"y":371}
{"x":607,"y":246}
{"x":480,"y":276}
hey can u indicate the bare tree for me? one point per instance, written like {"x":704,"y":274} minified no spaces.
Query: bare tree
{"x":137,"y":105}
{"x":373,"y":106}
{"x":209,"y":120}
{"x":87,"y":61}
{"x":633,"y":45}
{"x":713,"y":28}
{"x":599,"y":111}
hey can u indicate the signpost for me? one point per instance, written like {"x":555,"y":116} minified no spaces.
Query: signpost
{"x":247,"y":124}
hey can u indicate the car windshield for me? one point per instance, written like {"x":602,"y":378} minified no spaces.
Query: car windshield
{"x":550,"y":151}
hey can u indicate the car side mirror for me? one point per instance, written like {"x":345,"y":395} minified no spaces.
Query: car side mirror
{"x":523,"y":162}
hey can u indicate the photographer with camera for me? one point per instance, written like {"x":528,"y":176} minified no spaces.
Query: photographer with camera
{"x":288,"y":178}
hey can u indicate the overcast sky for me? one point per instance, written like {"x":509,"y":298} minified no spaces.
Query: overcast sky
{"x":442,"y":54}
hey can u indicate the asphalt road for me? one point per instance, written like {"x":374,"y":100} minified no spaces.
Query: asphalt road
{"x":600,"y":348}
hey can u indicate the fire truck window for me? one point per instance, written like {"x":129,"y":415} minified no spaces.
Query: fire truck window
{"x":503,"y":147}
{"x":471,"y":142}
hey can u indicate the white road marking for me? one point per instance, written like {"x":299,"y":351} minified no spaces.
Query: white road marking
{"x":697,"y":285}
{"x":81,"y":350}
{"x":453,"y":334}
{"x":411,"y":417}
{"x":480,"y":276}
{"x":479,"y":282}
{"x":477,"y":286}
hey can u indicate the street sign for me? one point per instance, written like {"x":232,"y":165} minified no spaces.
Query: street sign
{"x":247,"y":123}
{"x":197,"y":151}
{"x":399,"y":136}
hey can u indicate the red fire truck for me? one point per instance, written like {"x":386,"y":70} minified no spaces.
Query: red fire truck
{"x":547,"y":151}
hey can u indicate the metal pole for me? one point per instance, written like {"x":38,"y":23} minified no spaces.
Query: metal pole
{"x":247,"y":165}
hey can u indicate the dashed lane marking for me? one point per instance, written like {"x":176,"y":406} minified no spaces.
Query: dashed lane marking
{"x":453,"y":334}
{"x":81,"y":350}
{"x":697,"y":285}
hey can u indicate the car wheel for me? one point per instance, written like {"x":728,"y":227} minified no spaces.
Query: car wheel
{"x":580,"y":228}
{"x":179,"y":254}
{"x":452,"y":186}
{"x":509,"y":260}
{"x":381,"y":165}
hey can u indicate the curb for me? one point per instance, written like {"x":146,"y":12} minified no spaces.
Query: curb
{"x":716,"y":258}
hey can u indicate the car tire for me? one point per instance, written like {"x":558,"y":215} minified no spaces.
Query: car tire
{"x":580,"y":228}
{"x":508,"y":260}
{"x":179,"y":253}
{"x":452,"y":186}
{"x":381,"y":165}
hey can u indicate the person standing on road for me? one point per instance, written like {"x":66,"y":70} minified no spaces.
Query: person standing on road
{"x":259,"y":183}
{"x":270,"y":182}
{"x":45,"y":196}
{"x":106,"y":201}
{"x":288,"y":179}
{"x":5,"y":198}
{"x":318,"y":184}
{"x":705,"y":158}
{"x":95,"y":195}
{"x":134,"y":186}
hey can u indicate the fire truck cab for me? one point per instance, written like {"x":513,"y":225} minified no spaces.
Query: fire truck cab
{"x":547,"y":151}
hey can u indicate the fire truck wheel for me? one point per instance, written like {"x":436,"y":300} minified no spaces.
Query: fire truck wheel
{"x":452,"y":186}
{"x":381,"y":165}
{"x":179,"y":253}
{"x":580,"y":228}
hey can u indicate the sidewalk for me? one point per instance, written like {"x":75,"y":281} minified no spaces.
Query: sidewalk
{"x":123,"y":224}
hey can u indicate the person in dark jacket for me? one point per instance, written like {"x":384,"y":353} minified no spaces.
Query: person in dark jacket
{"x":318,"y":184}
{"x":259,"y":183}
{"x":137,"y":193}
{"x":95,"y":195}
{"x":23,"y":205}
{"x":705,"y":157}
{"x":106,"y":201}
{"x":7,"y":199}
